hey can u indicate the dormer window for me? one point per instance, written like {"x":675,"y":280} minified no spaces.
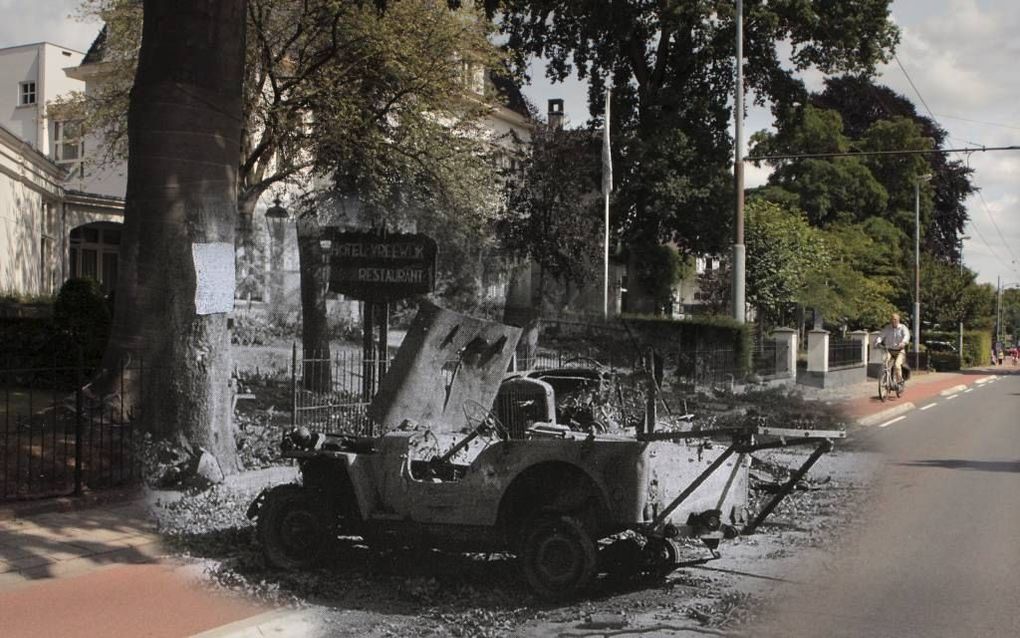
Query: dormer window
{"x":26,"y":94}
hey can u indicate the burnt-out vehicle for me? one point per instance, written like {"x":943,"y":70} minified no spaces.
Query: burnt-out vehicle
{"x":547,"y":493}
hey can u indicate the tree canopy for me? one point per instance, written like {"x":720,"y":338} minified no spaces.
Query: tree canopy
{"x":670,"y":65}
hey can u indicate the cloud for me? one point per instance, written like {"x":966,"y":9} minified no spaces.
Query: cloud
{"x":28,"y":21}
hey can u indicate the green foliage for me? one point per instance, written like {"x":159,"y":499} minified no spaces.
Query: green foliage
{"x":670,"y":68}
{"x":658,"y":269}
{"x":375,"y":102}
{"x":861,"y":103}
{"x":81,"y":313}
{"x":944,"y":361}
{"x":977,"y":347}
{"x":696,"y":334}
{"x":782,"y":252}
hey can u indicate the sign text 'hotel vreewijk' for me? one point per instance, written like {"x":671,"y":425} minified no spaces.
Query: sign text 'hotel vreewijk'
{"x":377,"y":267}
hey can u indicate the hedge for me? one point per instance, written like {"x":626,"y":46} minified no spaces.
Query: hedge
{"x":944,"y":361}
{"x":977,"y":345}
{"x":697,"y":334}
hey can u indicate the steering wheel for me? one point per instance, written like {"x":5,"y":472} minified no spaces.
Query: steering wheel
{"x":478,"y":416}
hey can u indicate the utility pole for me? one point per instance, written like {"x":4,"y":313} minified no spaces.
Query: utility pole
{"x":917,"y":265}
{"x":960,"y":351}
{"x":607,"y":187}
{"x":738,"y":174}
{"x":917,"y":268}
{"x":998,"y":311}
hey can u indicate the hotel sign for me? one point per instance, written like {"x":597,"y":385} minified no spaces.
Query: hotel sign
{"x":378,"y":268}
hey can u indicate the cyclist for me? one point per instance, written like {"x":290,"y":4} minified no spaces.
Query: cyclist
{"x":895,"y":337}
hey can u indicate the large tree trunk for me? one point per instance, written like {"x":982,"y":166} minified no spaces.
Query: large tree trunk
{"x":184,"y":126}
{"x":316,"y":371}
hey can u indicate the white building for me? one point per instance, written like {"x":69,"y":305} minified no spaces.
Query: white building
{"x":31,"y":76}
{"x":49,"y":231}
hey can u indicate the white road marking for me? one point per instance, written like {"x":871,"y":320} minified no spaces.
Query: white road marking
{"x":984,"y":380}
{"x":930,"y":405}
{"x":952,"y":396}
{"x":968,"y":390}
{"x":891,"y":421}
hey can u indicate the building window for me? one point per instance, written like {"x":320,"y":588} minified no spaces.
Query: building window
{"x":93,"y":253}
{"x":27,"y":95}
{"x":69,"y":147}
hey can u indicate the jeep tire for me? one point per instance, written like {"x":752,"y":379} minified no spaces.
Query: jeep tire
{"x":295,"y":527}
{"x":559,"y":557}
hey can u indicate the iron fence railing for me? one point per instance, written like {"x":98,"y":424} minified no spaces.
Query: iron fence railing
{"x":845,"y":353}
{"x":57,"y":440}
{"x":331,"y":391}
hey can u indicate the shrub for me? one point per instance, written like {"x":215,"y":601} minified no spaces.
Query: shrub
{"x":944,"y":361}
{"x":81,"y":314}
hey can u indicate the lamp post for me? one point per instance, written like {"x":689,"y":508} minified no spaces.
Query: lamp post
{"x":738,"y":174}
{"x":960,"y":350}
{"x":917,"y":266}
{"x":276,"y":216}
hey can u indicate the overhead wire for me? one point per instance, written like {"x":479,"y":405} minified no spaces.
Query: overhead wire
{"x":978,"y":191}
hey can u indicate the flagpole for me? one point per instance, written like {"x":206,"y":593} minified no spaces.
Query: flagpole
{"x":607,"y":185}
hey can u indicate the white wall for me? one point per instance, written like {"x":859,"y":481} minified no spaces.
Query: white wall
{"x":19,"y":64}
{"x":27,"y":184}
{"x":55,"y":83}
{"x":43,"y":64}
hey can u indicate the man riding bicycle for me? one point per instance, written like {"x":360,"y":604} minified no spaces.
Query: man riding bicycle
{"x":895,"y":337}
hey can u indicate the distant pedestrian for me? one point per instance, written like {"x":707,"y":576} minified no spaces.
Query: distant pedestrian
{"x":993,"y":355}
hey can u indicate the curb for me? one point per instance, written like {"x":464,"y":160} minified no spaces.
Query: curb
{"x":879,"y":417}
{"x":280,"y":623}
{"x":88,"y":500}
{"x":953,"y":390}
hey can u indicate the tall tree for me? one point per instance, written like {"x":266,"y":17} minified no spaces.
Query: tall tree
{"x":670,"y":65}
{"x":861,"y":103}
{"x":184,"y":130}
{"x":553,"y":213}
{"x":367,"y":109}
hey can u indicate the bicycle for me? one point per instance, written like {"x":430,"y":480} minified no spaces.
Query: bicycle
{"x":887,"y":383}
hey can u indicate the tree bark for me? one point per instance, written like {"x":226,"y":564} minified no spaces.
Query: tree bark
{"x":316,"y":371}
{"x":184,"y":124}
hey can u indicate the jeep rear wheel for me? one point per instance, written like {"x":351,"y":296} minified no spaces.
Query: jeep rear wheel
{"x":559,"y":557}
{"x":294,"y":527}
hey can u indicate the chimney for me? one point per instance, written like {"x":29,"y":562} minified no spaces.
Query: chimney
{"x":556,"y":114}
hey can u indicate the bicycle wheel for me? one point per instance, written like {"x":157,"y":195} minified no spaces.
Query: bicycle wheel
{"x":883,"y":384}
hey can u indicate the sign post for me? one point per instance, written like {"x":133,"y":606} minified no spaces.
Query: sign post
{"x":378,"y":268}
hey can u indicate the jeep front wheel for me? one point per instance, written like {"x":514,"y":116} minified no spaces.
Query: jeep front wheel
{"x":294,"y":527}
{"x":559,"y":556}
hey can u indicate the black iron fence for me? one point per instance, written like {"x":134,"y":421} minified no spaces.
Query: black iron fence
{"x":845,"y":353}
{"x":57,"y":440}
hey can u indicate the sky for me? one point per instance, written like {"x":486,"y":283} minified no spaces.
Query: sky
{"x":960,"y":54}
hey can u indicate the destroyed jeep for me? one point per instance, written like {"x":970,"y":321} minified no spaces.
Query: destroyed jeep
{"x":534,"y":488}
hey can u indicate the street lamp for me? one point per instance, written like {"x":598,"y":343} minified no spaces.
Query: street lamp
{"x":917,"y":265}
{"x":276,"y":217}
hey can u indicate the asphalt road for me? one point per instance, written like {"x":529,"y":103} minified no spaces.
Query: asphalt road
{"x":938,"y":551}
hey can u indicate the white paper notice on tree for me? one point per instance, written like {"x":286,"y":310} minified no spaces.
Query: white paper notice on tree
{"x":214,"y":275}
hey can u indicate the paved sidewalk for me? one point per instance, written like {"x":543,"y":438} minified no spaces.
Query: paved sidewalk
{"x":65,"y":543}
{"x":867,"y":409}
{"x":102,"y":572}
